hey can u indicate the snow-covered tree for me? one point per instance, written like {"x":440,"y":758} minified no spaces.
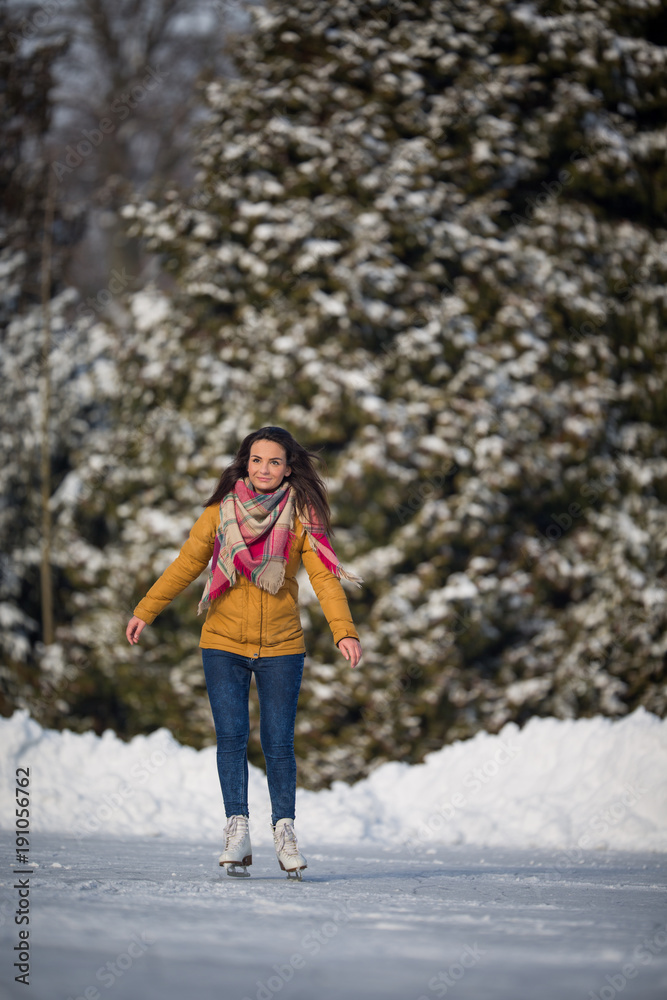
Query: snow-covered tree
{"x":32,"y":305}
{"x":429,"y":239}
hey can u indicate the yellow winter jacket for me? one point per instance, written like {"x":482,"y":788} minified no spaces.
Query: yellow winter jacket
{"x":245,"y":619}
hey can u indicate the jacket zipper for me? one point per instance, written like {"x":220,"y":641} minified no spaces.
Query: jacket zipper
{"x":261,"y":618}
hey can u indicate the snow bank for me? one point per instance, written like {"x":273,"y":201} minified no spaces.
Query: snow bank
{"x":566,"y":785}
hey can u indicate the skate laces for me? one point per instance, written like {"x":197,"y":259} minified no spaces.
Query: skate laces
{"x":286,"y":840}
{"x":235,"y":831}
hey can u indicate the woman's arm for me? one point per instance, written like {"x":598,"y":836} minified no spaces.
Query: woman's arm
{"x":329,"y":592}
{"x":186,"y":567}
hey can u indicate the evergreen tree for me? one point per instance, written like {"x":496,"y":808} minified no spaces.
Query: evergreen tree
{"x":41,"y":339}
{"x":427,"y":238}
{"x":25,"y":112}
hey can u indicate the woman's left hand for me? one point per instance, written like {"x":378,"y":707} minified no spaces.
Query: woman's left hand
{"x":351,"y":650}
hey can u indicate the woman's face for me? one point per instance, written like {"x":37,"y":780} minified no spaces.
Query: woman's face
{"x":267,"y":465}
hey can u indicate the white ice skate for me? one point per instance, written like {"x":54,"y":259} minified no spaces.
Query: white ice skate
{"x":238,"y":852}
{"x":287,"y":851}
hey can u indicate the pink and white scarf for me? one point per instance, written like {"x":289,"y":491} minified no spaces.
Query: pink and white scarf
{"x":254,"y":537}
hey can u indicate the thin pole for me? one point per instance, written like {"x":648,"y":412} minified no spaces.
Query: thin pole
{"x":46,"y":577}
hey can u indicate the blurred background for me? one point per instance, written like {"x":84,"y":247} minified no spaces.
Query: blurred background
{"x":429,"y":238}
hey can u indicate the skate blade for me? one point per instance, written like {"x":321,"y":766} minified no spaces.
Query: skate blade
{"x":237,"y":871}
{"x":296,"y":875}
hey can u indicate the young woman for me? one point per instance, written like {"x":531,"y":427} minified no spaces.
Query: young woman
{"x":268,"y":513}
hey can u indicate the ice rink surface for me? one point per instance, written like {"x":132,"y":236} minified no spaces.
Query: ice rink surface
{"x":157,"y":919}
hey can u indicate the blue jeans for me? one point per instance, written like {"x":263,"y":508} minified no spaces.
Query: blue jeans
{"x":278,"y":680}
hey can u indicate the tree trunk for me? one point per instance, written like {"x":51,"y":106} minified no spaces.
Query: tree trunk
{"x":45,"y":464}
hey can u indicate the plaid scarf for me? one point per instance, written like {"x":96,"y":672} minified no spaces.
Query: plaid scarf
{"x":255,"y":535}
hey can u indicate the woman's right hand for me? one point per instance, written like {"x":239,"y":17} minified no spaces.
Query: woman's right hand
{"x":135,"y":627}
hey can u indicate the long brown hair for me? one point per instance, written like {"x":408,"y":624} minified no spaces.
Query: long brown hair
{"x":311,"y":493}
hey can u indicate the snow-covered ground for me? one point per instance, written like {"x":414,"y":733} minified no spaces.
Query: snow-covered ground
{"x":565,"y":785}
{"x":527,"y":864}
